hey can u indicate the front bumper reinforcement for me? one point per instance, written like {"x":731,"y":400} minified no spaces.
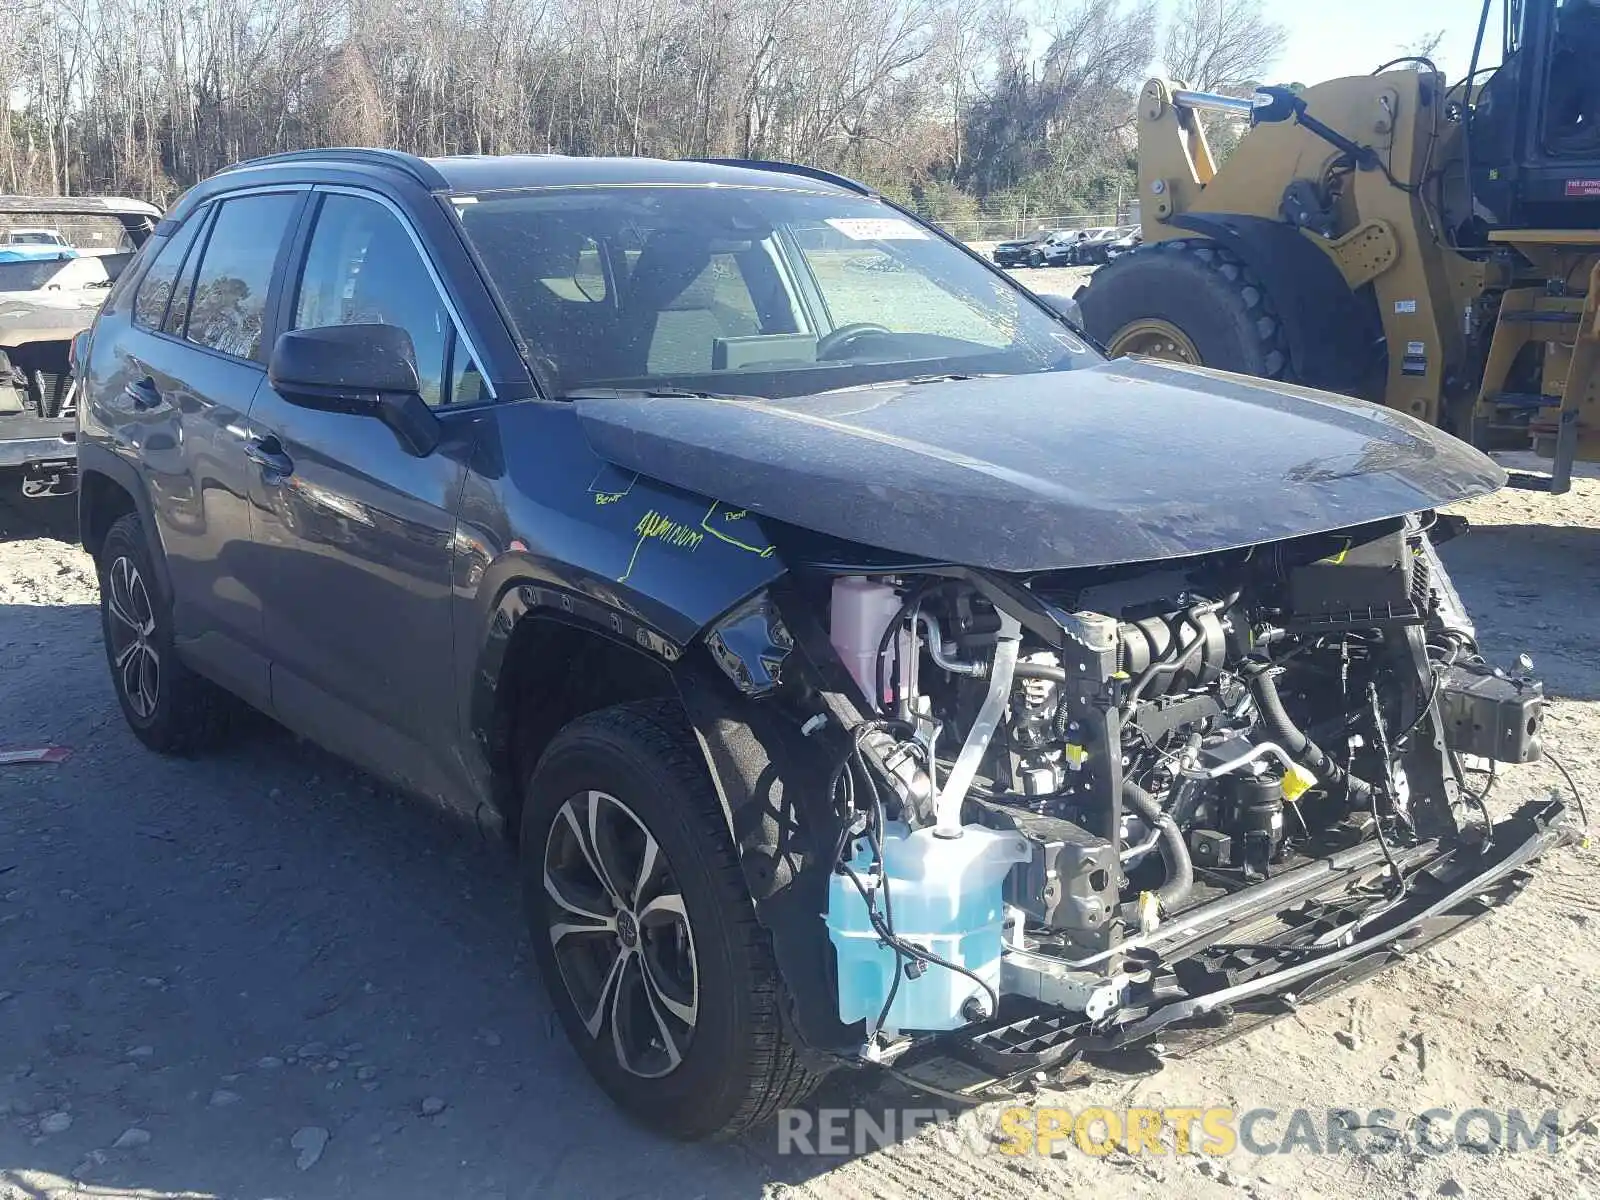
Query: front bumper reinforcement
{"x":1448,"y":889}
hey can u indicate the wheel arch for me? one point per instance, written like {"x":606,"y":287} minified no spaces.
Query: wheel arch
{"x":109,"y":489}
{"x":1334,"y":334}
{"x":548,"y":663}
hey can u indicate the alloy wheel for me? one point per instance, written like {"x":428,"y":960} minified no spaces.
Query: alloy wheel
{"x":135,"y":660}
{"x":621,"y":934}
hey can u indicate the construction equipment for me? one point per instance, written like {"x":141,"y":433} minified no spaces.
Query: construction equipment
{"x":1431,"y":247}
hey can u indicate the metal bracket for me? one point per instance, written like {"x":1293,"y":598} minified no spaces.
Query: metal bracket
{"x":1366,"y":252}
{"x":1023,"y":973}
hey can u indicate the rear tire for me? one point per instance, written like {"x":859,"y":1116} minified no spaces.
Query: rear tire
{"x":169,"y":708}
{"x":686,"y":1034}
{"x":1198,"y":288}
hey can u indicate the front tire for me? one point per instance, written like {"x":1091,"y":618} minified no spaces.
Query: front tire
{"x":169,"y":708}
{"x":644,"y":930}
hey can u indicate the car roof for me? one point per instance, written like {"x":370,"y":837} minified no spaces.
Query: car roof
{"x":484,"y":173}
{"x":76,"y":205}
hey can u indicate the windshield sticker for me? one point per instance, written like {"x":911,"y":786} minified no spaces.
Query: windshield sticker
{"x":877,"y":229}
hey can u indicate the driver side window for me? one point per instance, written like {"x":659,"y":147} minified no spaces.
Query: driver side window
{"x":363,"y":268}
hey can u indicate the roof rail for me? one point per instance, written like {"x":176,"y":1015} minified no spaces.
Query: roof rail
{"x":419,"y":169}
{"x":762,"y":164}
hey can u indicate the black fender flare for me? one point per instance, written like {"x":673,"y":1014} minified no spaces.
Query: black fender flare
{"x":772,"y":783}
{"x":97,"y":460}
{"x":1330,"y":329}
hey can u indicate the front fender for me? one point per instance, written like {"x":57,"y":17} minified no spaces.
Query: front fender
{"x":556,"y":531}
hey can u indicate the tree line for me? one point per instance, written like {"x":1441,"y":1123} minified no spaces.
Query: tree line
{"x":946,"y":103}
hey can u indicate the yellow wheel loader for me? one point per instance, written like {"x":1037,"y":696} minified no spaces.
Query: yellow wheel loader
{"x":1431,"y":247}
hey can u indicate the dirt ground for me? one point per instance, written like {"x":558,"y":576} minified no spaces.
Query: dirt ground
{"x":261,"y":975}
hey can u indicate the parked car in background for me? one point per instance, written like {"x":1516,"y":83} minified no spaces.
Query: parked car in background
{"x":1130,"y":239}
{"x":34,"y":237}
{"x":1022,"y":252}
{"x":49,"y":292}
{"x":1059,"y":250}
{"x":1090,"y":250}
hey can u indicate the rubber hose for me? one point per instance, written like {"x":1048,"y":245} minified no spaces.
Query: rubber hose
{"x":1288,"y":735}
{"x":1174,"y":853}
{"x":1028,"y":670}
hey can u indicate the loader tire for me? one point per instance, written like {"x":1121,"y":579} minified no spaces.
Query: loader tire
{"x":1191,"y":301}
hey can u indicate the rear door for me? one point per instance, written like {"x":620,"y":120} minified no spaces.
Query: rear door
{"x":353,"y":532}
{"x":186,"y":369}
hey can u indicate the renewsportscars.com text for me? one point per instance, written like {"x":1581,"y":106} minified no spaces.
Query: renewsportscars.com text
{"x":1180,"y":1130}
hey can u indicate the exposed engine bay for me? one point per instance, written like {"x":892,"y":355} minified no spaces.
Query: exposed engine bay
{"x":1069,"y":784}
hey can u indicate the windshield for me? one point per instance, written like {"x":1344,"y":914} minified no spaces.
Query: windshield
{"x":748,"y":291}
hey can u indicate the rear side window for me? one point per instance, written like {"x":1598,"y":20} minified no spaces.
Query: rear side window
{"x":155,"y":289}
{"x":229,"y":303}
{"x":177,"y":322}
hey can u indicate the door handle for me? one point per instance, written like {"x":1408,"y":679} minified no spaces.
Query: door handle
{"x":267,"y":452}
{"x":144,"y":394}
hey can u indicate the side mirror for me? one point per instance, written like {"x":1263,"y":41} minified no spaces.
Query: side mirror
{"x":360,"y":370}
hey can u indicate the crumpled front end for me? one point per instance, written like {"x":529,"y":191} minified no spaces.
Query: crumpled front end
{"x":1074,"y":810}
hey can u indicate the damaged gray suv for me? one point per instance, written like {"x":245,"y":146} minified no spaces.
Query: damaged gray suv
{"x":866,"y":670}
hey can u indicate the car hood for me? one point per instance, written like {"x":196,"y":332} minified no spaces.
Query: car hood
{"x":1128,"y":461}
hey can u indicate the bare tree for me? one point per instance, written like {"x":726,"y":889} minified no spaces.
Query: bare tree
{"x":1221,"y":45}
{"x":966,"y":98}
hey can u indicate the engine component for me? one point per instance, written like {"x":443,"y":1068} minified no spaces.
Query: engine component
{"x":1489,"y":714}
{"x":1255,"y":820}
{"x":1070,"y":879}
{"x":1151,"y":639}
{"x":953,"y":793}
{"x":1174,"y":852}
{"x":1356,"y":585}
{"x":1035,"y":701}
{"x":1276,"y":721}
{"x":947,"y":917}
{"x":859,"y":614}
{"x":1211,"y":848}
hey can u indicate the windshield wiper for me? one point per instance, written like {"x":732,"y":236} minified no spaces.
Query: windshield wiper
{"x":648,"y":393}
{"x":952,"y":377}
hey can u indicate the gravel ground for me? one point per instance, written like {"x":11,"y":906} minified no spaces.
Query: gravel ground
{"x":262,"y":975}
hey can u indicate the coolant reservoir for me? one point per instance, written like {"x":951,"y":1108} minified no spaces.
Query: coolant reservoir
{"x":860,"y":610}
{"x":945,"y":896}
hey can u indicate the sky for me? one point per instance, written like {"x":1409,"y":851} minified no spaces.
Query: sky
{"x":1351,"y":37}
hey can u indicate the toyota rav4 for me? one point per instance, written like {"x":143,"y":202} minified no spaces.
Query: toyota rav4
{"x":866,"y":670}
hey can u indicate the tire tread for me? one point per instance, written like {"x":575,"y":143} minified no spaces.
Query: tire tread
{"x":199,"y":713}
{"x":775,"y":1077}
{"x":1229,"y":273}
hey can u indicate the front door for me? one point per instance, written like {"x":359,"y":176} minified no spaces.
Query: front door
{"x":353,"y":532}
